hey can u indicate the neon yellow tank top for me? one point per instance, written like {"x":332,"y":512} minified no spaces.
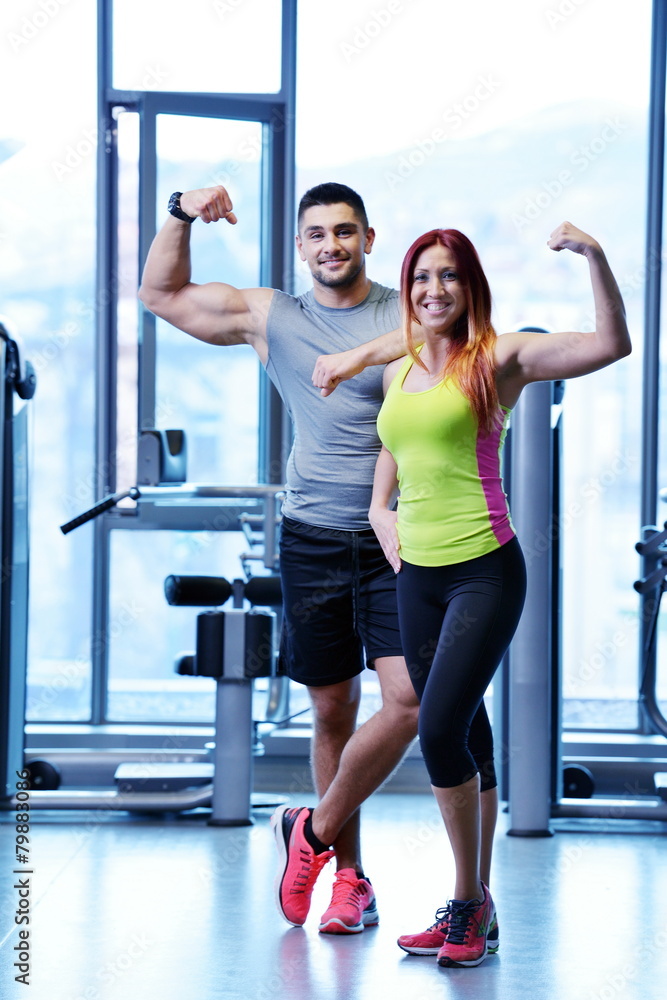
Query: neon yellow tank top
{"x":452,"y":506}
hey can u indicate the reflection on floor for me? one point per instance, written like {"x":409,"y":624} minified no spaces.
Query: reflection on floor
{"x":139,"y":907}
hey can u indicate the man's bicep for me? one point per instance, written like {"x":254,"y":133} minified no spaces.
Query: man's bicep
{"x":218,"y":313}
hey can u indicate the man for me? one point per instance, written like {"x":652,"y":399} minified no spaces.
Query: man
{"x":338,"y":589}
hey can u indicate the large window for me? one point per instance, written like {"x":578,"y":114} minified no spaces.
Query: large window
{"x":48,"y":143}
{"x":81,"y":615}
{"x":176,"y":130}
{"x":212,"y":46}
{"x":499,"y":123}
{"x":457,"y":115}
{"x":213,"y":394}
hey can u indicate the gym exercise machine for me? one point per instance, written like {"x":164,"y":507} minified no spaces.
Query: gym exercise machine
{"x":17,"y":386}
{"x":652,"y":547}
{"x":533,"y":802}
{"x":234,"y":645}
{"x":535,"y":774}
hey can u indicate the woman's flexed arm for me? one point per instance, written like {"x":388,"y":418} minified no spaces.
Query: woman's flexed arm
{"x":529,"y":357}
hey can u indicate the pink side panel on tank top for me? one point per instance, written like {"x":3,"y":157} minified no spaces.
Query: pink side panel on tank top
{"x":488,"y":464}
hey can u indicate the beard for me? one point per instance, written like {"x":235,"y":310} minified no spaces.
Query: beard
{"x":348,"y":277}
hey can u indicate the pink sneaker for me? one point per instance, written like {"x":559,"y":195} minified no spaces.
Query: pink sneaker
{"x":470,"y":923}
{"x":430,"y":941}
{"x":299,"y":865}
{"x":352,"y":905}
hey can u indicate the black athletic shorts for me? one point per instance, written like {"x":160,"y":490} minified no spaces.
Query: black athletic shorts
{"x":339,"y":603}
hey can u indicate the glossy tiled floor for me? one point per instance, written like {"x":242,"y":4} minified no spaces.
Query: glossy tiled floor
{"x":141,"y":908}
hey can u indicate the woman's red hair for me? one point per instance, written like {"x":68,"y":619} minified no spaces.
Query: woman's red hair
{"x":470,"y":360}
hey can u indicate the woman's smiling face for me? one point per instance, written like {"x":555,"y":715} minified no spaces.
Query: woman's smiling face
{"x":437,"y":295}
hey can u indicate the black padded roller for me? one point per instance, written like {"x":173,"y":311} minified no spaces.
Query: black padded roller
{"x":197,"y":591}
{"x":186,"y":665}
{"x":210,"y":644}
{"x":264,"y":591}
{"x":259,"y":643}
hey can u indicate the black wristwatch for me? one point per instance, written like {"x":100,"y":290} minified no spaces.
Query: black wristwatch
{"x":174,"y":208}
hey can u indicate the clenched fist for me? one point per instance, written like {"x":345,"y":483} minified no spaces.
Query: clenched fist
{"x":568,"y":237}
{"x":209,"y":204}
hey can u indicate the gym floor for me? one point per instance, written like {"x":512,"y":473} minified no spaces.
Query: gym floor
{"x":141,"y":907}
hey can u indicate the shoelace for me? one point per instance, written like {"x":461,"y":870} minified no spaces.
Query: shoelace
{"x":441,"y":917}
{"x":311,"y":866}
{"x":345,"y":890}
{"x":461,"y":920}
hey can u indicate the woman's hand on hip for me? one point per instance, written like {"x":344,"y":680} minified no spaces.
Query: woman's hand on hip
{"x":383,"y":523}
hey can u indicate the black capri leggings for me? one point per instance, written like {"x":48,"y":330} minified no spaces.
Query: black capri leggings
{"x":456,"y":624}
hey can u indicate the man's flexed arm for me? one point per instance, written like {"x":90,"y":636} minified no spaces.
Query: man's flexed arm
{"x":215,"y":312}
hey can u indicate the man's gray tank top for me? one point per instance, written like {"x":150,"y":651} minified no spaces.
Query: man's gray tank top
{"x":331,"y":465}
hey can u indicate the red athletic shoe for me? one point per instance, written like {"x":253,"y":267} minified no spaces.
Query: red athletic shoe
{"x":470,"y":923}
{"x":430,"y":941}
{"x":299,"y":864}
{"x":352,"y":905}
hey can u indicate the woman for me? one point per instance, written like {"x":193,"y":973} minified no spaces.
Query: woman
{"x":461,"y":574}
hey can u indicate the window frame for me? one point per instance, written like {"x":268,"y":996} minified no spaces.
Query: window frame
{"x":277,"y":251}
{"x":276,"y":113}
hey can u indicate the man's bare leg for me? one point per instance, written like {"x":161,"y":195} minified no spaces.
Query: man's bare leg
{"x":335,"y":709}
{"x":368,"y":758}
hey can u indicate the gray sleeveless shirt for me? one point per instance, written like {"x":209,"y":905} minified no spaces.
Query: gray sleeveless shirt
{"x":331,"y":465}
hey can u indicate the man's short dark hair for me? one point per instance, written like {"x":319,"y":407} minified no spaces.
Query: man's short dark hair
{"x":332,"y":193}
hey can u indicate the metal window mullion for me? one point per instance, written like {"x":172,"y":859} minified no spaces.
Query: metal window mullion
{"x":287,"y":179}
{"x":147,"y":361}
{"x":652,"y":305}
{"x":105,"y":360}
{"x":288,"y":82}
{"x":270,"y":405}
{"x":278,"y":175}
{"x":257,"y":107}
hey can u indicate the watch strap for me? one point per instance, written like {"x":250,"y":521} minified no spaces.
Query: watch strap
{"x":174,"y":208}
